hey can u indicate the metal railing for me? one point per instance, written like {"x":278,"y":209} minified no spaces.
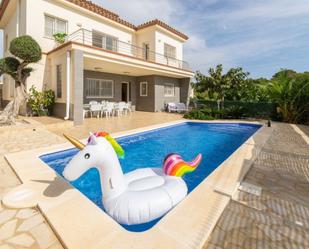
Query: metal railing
{"x":108,"y":43}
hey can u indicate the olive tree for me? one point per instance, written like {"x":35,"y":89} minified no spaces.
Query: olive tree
{"x":25,"y":51}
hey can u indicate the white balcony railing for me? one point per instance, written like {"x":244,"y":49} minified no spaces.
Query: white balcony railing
{"x":87,"y":37}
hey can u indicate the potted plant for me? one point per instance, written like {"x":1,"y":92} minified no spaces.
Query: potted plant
{"x":60,"y":37}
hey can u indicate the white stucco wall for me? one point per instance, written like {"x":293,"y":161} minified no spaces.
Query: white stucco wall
{"x":162,"y":38}
{"x":32,"y":22}
{"x":74,"y":18}
{"x":146,"y":36}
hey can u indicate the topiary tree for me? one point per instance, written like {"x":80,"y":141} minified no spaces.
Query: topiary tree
{"x":26,"y":51}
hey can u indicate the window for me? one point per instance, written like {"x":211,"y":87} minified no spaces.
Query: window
{"x":169,"y":51}
{"x":54,"y":25}
{"x":99,"y":88}
{"x":104,"y":41}
{"x":59,"y":81}
{"x":143,"y":89}
{"x":169,"y":90}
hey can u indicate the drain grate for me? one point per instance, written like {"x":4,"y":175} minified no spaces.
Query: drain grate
{"x":250,"y":188}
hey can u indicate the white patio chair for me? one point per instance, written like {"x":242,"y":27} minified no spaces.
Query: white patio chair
{"x":119,"y":108}
{"x":93,"y":102}
{"x":108,"y":109}
{"x":171,"y":107}
{"x":86,"y":110}
{"x":128,"y":108}
{"x":181,"y":107}
{"x":96,"y":108}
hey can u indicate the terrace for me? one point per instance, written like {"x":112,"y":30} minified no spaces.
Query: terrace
{"x":114,"y":46}
{"x":248,"y":221}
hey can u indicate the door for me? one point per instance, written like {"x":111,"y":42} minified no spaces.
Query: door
{"x":125,"y":91}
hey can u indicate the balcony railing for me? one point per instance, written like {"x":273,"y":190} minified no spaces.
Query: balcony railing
{"x":107,"y":43}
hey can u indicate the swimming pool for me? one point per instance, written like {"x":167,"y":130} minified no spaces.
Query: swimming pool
{"x":215,"y":141}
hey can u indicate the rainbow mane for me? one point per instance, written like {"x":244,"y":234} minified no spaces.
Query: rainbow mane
{"x":174,"y":165}
{"x":117,"y":147}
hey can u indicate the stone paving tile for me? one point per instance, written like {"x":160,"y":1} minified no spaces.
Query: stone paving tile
{"x":276,"y":219}
{"x":26,"y":228}
{"x":279,"y":217}
{"x":23,"y":228}
{"x":23,"y":240}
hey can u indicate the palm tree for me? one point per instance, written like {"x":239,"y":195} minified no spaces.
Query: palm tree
{"x":291,"y":93}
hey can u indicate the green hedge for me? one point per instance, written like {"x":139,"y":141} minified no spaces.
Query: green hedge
{"x":264,"y":110}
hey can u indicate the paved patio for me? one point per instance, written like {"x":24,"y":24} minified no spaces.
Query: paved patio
{"x":117,"y":124}
{"x":279,"y":218}
{"x":27,"y":228}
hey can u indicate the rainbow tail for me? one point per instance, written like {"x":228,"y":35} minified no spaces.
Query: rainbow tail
{"x":174,"y":165}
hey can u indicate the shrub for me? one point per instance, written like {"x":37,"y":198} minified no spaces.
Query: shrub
{"x":235,"y":112}
{"x":41,"y":103}
{"x":26,"y":48}
{"x":60,"y":37}
{"x":200,"y":114}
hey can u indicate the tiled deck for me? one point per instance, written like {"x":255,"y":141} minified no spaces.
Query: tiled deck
{"x":279,"y":218}
{"x":117,"y":124}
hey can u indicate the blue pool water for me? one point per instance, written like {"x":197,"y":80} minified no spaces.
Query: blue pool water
{"x":215,"y":141}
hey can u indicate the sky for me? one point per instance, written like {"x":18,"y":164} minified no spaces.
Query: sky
{"x":262,"y":36}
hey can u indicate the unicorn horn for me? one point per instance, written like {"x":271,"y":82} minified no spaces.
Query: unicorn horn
{"x":75,"y":142}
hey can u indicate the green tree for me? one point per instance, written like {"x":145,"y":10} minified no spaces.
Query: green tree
{"x":25,"y":51}
{"x":290,"y":90}
{"x":236,"y":83}
{"x":220,"y":86}
{"x":255,"y":90}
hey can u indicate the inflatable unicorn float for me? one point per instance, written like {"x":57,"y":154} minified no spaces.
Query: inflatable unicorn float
{"x":139,"y":196}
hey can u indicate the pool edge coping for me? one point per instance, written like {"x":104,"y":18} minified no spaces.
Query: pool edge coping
{"x":182,"y":234}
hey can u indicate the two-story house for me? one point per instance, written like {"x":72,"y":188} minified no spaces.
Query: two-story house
{"x":103,"y":58}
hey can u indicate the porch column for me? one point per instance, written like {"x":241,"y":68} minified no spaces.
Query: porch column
{"x":78,"y":86}
{"x":185,"y":90}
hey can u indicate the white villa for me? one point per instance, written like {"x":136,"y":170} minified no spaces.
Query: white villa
{"x":103,"y":58}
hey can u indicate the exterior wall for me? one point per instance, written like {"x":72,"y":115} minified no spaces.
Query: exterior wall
{"x":118,"y":79}
{"x":75,"y":18}
{"x":23,"y":17}
{"x":146,"y":103}
{"x":60,"y":110}
{"x":10,"y":32}
{"x":161,"y":38}
{"x":51,"y":69}
{"x":160,"y":100}
{"x":185,"y":90}
{"x":146,"y":36}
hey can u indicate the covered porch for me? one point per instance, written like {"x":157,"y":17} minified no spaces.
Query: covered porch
{"x":98,"y":75}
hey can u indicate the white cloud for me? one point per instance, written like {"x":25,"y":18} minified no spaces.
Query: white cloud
{"x":138,"y":12}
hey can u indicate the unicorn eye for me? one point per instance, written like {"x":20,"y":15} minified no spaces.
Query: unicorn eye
{"x":87,"y":156}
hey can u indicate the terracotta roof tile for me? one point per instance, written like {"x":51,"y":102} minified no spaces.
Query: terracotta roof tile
{"x":108,"y":14}
{"x":86,"y":4}
{"x":163,"y":25}
{"x":101,"y":11}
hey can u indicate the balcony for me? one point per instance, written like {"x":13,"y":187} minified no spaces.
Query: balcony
{"x":113,"y":45}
